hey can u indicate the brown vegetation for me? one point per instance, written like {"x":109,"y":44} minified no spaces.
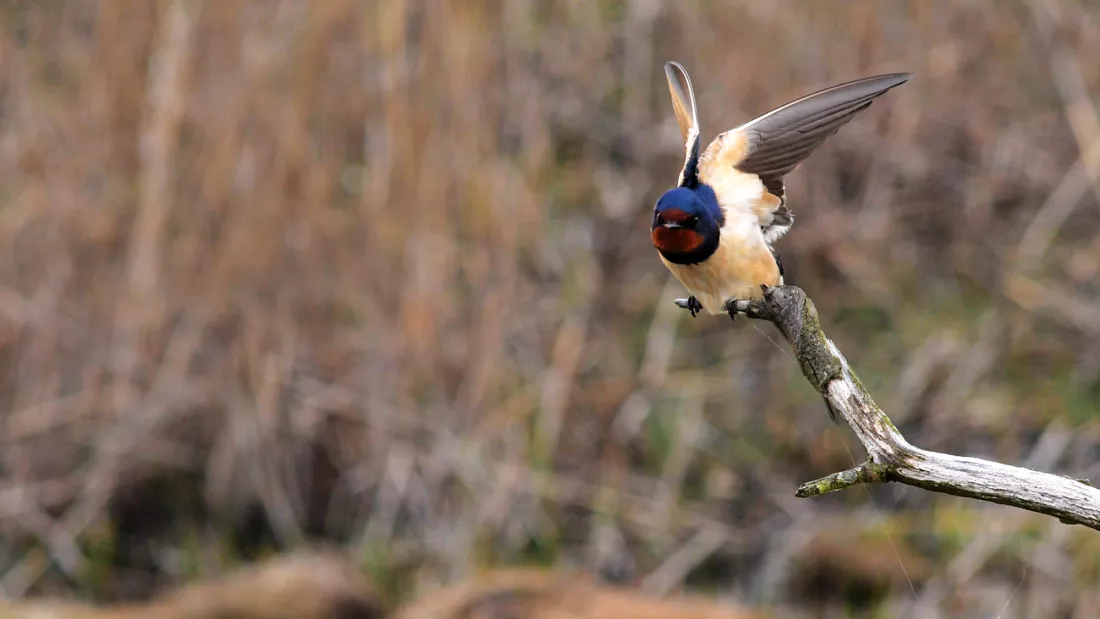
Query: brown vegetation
{"x":307,"y":586}
{"x":537,"y":594}
{"x":327,"y":587}
{"x":379,"y":273}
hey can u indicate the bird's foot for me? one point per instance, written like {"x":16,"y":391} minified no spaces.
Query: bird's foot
{"x":691,"y":304}
{"x":735,"y":307}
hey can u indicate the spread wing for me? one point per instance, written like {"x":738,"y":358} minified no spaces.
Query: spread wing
{"x":773,"y":145}
{"x":687,"y":117}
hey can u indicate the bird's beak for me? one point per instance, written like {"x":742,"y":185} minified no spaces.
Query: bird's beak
{"x":672,"y":225}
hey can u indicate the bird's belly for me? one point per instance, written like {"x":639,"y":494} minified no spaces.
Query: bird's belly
{"x":734,"y":271}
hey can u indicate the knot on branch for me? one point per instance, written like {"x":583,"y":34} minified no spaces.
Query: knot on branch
{"x":794,"y":314}
{"x":781,"y":306}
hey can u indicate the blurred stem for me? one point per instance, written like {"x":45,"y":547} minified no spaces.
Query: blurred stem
{"x":890,"y":456}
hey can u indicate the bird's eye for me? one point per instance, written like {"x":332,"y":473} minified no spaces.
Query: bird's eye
{"x":692,"y":221}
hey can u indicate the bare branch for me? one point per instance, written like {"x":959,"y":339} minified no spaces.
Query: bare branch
{"x":890,"y":456}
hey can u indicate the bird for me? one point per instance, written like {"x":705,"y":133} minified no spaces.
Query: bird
{"x":716,"y":228}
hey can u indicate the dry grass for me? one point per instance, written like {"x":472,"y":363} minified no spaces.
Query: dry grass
{"x":303,"y":586}
{"x":327,"y":586}
{"x":379,"y":273}
{"x":539,"y":594}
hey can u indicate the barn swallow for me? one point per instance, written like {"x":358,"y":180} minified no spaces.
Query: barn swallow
{"x":715,"y":229}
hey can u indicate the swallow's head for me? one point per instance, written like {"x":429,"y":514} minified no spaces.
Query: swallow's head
{"x":686,"y":224}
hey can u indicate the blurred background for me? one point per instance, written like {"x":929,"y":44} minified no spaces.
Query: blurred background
{"x":378,"y":274}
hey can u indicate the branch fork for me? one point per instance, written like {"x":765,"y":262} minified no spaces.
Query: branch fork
{"x":890,"y":457}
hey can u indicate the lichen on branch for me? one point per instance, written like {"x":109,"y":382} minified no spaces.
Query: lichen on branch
{"x":890,"y":457}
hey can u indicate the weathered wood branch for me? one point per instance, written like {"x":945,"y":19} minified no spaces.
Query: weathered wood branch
{"x":890,"y":457}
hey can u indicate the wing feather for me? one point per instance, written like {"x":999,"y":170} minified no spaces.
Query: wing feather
{"x":784,"y":137}
{"x":687,"y":117}
{"x":772,"y":145}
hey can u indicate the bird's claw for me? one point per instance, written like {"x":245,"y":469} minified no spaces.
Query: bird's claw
{"x":736,"y":306}
{"x":691,"y":304}
{"x":733,"y":307}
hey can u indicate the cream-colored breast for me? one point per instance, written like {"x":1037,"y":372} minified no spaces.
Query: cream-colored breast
{"x":736,"y":270}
